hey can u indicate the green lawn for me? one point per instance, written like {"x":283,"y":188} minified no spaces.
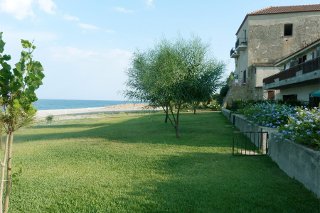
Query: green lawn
{"x":134,"y":163}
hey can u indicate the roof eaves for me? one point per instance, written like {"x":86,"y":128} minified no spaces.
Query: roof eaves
{"x":259,"y":13}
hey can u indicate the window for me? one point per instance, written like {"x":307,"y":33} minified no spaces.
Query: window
{"x":289,"y":98}
{"x":302,"y":59}
{"x":287,"y":30}
{"x":318,"y":51}
{"x":271,"y":95}
{"x":244,"y":80}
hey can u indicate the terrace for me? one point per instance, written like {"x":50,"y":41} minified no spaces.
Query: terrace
{"x":302,"y":73}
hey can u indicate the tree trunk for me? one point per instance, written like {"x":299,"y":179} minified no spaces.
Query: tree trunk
{"x":177,"y":122}
{"x":1,"y":141}
{"x":194,"y":110}
{"x":3,"y":171}
{"x":9,"y":173}
{"x":177,"y":131}
{"x":167,"y":114}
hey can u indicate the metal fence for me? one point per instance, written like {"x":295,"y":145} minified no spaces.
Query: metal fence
{"x":250,"y":143}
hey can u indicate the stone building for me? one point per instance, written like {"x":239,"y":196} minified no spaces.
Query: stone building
{"x":263,"y":38}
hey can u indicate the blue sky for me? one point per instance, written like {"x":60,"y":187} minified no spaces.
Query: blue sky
{"x":86,"y":46}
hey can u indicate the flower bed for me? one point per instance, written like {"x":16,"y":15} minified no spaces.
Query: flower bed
{"x":269,"y":114}
{"x":303,"y":127}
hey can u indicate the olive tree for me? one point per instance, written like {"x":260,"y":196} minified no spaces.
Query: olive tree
{"x":203,"y":73}
{"x":173,"y":74}
{"x":17,"y":94}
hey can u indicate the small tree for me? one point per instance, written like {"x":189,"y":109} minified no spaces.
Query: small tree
{"x":173,"y":74}
{"x":17,"y":93}
{"x":49,"y":119}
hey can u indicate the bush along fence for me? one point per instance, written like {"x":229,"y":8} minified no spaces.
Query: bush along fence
{"x":299,"y":162}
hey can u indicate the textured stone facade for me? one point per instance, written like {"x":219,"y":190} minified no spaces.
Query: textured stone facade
{"x":265,"y":44}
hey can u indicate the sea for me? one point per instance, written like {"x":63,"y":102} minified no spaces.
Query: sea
{"x":48,"y":104}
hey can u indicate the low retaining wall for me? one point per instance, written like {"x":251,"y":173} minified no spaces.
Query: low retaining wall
{"x":244,"y":125}
{"x":297,"y":161}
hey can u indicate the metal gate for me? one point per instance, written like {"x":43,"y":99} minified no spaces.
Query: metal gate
{"x":250,"y":143}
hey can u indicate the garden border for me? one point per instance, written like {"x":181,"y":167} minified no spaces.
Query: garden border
{"x":297,"y":161}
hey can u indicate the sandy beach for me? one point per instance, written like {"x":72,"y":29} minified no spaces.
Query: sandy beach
{"x":63,"y":114}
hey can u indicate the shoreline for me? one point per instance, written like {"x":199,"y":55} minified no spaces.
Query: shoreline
{"x":93,"y":111}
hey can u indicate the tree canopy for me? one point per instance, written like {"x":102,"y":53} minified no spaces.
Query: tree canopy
{"x":172,"y":74}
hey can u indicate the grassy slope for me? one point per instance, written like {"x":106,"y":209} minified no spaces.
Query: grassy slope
{"x":133,"y":163}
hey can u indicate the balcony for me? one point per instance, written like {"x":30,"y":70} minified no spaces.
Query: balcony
{"x":233,"y":53}
{"x":241,"y":44}
{"x":304,"y":72}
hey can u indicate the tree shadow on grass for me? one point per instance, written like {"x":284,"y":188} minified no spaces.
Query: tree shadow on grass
{"x":215,"y":182}
{"x":205,"y":129}
{"x":63,"y":126}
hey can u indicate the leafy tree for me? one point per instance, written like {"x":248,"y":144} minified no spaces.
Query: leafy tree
{"x":17,"y":93}
{"x":203,"y":73}
{"x":173,"y":74}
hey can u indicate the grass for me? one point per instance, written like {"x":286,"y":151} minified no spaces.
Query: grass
{"x":134,"y":163}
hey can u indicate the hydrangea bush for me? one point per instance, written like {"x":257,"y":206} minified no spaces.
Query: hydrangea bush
{"x":303,"y":127}
{"x":269,"y":114}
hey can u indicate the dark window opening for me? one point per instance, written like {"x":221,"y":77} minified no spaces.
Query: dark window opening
{"x":288,"y":30}
{"x":302,"y":59}
{"x":289,"y":98}
{"x":318,"y":51}
{"x":244,"y":76}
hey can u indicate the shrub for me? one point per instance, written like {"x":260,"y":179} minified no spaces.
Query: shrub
{"x":268,"y":114}
{"x":49,"y":119}
{"x":303,"y":127}
{"x":239,"y":105}
{"x":214,"y":105}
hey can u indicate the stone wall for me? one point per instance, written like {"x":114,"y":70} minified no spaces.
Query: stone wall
{"x":236,"y":92}
{"x":299,"y":162}
{"x":244,"y":125}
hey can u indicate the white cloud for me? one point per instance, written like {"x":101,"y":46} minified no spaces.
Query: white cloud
{"x":122,"y":10}
{"x":47,"y":6}
{"x":91,"y":27}
{"x":88,"y":26}
{"x":70,"y":18}
{"x":22,"y":9}
{"x":150,"y":3}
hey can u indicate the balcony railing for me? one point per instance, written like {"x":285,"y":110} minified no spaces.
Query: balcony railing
{"x":233,"y":53}
{"x":305,"y":67}
{"x":241,"y":43}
